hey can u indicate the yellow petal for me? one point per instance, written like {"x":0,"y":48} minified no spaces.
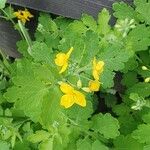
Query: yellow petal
{"x":95,"y":74}
{"x":100,"y":66}
{"x":67,"y":100}
{"x":79,"y":98}
{"x":66,"y":88}
{"x":64,"y":67}
{"x":60,"y":59}
{"x":23,"y":20}
{"x":94,"y":85}
{"x":69,"y":52}
{"x":28,"y":14}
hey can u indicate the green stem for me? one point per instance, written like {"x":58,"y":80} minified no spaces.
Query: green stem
{"x":85,"y":77}
{"x":78,"y":71}
{"x":3,"y":17}
{"x":138,"y":59}
{"x":81,"y":56}
{"x":8,"y":16}
{"x":26,"y":36}
{"x":5,"y":64}
{"x":90,"y":133}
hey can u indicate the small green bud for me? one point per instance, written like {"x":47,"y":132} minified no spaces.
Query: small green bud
{"x":79,"y":84}
{"x":144,"y":68}
{"x":147,"y":80}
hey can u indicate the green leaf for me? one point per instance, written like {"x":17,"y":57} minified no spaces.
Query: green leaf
{"x":142,"y":133}
{"x":127,"y":124}
{"x":123,"y":11}
{"x":21,"y":146}
{"x":114,"y":58}
{"x":46,"y":145}
{"x":77,"y":27}
{"x":139,"y":38}
{"x":84,"y":144}
{"x":80,"y":115}
{"x":41,"y":53}
{"x":10,"y":12}
{"x":146,"y":147}
{"x":129,"y":79}
{"x":85,"y":47}
{"x":51,"y":109}
{"x":127,"y":143}
{"x":46,"y":23}
{"x":28,"y":91}
{"x":98,"y":145}
{"x":28,"y":97}
{"x":106,"y":125}
{"x":121,"y":109}
{"x":47,"y":31}
{"x":89,"y":21}
{"x":46,"y":73}
{"x":4,"y":145}
{"x":22,"y":48}
{"x":103,"y":20}
{"x":90,"y":49}
{"x":62,"y":22}
{"x":142,"y":7}
{"x":2,"y":4}
{"x":142,"y":89}
{"x":146,"y":118}
{"x":39,"y":136}
{"x":62,"y":139}
{"x":130,"y":65}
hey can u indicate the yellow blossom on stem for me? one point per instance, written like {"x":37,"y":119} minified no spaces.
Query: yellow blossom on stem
{"x":71,"y":96}
{"x":97,"y":68}
{"x":94,"y":85}
{"x":23,"y":15}
{"x":61,"y":60}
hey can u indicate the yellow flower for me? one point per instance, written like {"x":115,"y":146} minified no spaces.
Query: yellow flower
{"x":71,"y":96}
{"x":23,"y":15}
{"x":97,"y":68}
{"x":94,"y":85}
{"x":61,"y":60}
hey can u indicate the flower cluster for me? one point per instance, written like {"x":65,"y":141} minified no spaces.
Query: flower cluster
{"x":94,"y":85}
{"x":72,"y":96}
{"x":124,"y":26}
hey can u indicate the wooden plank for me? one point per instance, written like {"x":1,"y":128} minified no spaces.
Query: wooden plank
{"x":8,"y":39}
{"x":67,"y":8}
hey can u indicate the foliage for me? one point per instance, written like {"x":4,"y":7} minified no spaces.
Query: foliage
{"x":99,"y":72}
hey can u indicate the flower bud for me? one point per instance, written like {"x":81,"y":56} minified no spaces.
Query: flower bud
{"x":147,"y":80}
{"x":79,"y":84}
{"x":144,"y":68}
{"x":86,"y":89}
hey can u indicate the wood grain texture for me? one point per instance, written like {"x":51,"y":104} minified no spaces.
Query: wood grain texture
{"x":8,"y":39}
{"x":67,"y":8}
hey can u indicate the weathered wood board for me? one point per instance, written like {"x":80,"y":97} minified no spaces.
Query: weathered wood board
{"x":68,"y":8}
